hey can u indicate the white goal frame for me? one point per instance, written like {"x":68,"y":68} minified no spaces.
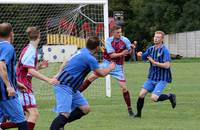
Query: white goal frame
{"x":105,"y":10}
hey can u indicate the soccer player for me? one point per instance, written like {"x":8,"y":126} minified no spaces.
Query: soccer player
{"x":27,"y":68}
{"x":70,"y":104}
{"x":116,"y":48}
{"x":159,"y":73}
{"x":9,"y":102}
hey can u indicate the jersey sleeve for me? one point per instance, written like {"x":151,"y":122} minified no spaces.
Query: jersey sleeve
{"x":127,"y":42}
{"x":6,"y":54}
{"x":28,"y":59}
{"x":108,"y":46}
{"x":146,"y":54}
{"x":93,"y":63}
{"x":166,"y":57}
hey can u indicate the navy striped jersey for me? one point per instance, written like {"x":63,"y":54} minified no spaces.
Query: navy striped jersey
{"x":159,"y":55}
{"x":7,"y":54}
{"x":77,"y":68}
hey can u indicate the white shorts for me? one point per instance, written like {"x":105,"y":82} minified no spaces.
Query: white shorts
{"x":27,"y":100}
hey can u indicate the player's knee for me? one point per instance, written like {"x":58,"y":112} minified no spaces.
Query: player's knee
{"x":65,"y":114}
{"x":142,"y":95}
{"x":86,"y":109}
{"x":154,"y":97}
{"x":34,"y":115}
{"x":124,"y":89}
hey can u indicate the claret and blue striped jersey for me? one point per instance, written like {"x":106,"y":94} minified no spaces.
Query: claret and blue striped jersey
{"x":7,"y":55}
{"x":116,"y":46}
{"x":159,"y":55}
{"x":28,"y":59}
{"x":77,"y":68}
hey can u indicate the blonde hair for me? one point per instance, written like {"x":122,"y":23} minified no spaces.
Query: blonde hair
{"x":160,"y":32}
{"x":33,"y":33}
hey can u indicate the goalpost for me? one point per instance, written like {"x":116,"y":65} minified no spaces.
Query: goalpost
{"x":65,"y":25}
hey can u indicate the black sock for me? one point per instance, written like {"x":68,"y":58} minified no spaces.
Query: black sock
{"x":22,"y":126}
{"x":58,"y":122}
{"x":75,"y":115}
{"x":163,"y":97}
{"x":140,"y":104}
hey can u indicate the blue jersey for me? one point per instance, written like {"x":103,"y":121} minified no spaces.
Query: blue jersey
{"x":159,"y":55}
{"x":7,"y":54}
{"x":77,"y":68}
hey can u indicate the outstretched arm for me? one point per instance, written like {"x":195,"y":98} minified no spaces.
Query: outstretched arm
{"x":40,"y":76}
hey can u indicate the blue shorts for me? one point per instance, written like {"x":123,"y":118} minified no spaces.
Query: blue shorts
{"x":13,"y":109}
{"x":1,"y":116}
{"x":27,"y":100}
{"x":117,"y":73}
{"x":67,"y":100}
{"x":155,"y":87}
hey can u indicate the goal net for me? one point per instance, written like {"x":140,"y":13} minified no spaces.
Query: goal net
{"x":65,"y":25}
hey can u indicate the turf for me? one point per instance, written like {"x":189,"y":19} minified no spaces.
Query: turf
{"x":111,"y":113}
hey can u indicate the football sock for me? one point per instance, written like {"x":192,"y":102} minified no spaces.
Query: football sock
{"x":58,"y":122}
{"x":22,"y":126}
{"x":31,"y":125}
{"x":7,"y":125}
{"x":127,"y":99}
{"x":84,"y":85}
{"x":140,"y":104}
{"x":163,"y":97}
{"x":75,"y":115}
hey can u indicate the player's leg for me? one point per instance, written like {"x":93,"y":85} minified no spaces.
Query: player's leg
{"x":30,"y":107}
{"x":158,"y":96}
{"x":32,"y":118}
{"x":147,"y":87}
{"x":80,"y":107}
{"x":63,"y":96}
{"x":118,"y":73}
{"x":14,"y":110}
{"x":126,"y":95}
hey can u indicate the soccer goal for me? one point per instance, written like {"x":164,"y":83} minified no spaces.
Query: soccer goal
{"x":65,"y":25}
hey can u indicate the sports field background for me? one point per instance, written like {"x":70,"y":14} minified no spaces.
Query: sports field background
{"x":111,"y":113}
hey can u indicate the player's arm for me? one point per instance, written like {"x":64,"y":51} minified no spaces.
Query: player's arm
{"x":105,"y":71}
{"x":143,"y":55}
{"x":4,"y":76}
{"x":123,"y":53}
{"x":165,"y":65}
{"x":41,"y":65}
{"x":166,"y":59}
{"x":40,"y":76}
{"x":21,"y":87}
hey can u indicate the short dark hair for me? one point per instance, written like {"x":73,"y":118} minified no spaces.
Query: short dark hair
{"x":5,"y":30}
{"x":33,"y":33}
{"x":93,"y":42}
{"x":116,"y":27}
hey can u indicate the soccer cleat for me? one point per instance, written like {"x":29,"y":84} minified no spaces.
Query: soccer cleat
{"x":172,"y":99}
{"x":61,"y":128}
{"x":137,"y":115}
{"x":130,"y":112}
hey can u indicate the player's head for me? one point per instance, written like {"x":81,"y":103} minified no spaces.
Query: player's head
{"x":33,"y":33}
{"x":93,"y":43}
{"x":117,"y":32}
{"x":6,"y":31}
{"x":158,"y":37}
